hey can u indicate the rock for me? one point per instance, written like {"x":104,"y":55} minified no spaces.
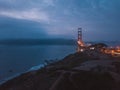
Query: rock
{"x":84,"y":80}
{"x":77,"y":71}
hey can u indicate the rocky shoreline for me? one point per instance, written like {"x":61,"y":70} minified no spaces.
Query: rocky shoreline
{"x":78,"y":71}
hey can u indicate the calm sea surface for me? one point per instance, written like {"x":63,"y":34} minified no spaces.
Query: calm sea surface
{"x":18,"y":59}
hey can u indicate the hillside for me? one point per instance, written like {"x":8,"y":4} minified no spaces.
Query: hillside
{"x":75,"y":72}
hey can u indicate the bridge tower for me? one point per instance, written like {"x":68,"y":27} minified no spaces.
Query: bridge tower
{"x":79,"y":34}
{"x":80,"y":41}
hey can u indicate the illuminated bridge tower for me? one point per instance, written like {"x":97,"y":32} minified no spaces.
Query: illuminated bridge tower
{"x":80,"y":41}
{"x":79,"y":34}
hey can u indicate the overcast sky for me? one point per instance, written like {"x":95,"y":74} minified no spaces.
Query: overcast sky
{"x":100,"y":19}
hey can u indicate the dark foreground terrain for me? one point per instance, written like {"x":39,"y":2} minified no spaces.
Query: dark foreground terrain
{"x":79,"y":71}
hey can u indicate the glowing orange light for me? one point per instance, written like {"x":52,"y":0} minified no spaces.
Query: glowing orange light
{"x":80,"y":43}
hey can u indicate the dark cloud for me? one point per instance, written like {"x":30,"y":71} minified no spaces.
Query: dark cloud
{"x":62,"y":17}
{"x":13,"y":28}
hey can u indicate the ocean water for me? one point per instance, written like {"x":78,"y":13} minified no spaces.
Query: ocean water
{"x":18,"y":59}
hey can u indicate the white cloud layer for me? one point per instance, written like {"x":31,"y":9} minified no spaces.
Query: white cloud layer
{"x":33,"y":14}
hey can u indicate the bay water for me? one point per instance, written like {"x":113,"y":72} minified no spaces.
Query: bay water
{"x":20,"y":58}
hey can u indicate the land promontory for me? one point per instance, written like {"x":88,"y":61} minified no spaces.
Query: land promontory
{"x":78,"y":71}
